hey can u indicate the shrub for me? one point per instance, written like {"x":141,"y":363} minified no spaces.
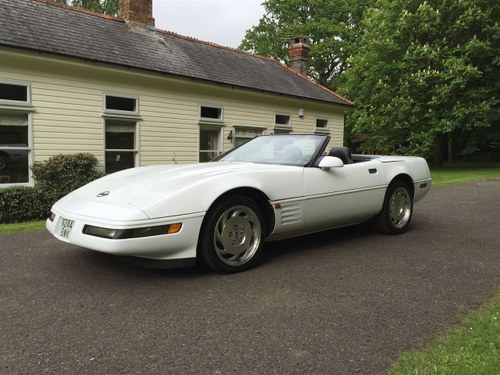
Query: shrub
{"x":54,"y":178}
{"x":21,"y":203}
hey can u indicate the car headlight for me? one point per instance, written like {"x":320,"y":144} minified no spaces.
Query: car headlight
{"x":99,"y":232}
{"x":131,"y":233}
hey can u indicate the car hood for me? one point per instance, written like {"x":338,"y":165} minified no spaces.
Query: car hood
{"x":175,"y":189}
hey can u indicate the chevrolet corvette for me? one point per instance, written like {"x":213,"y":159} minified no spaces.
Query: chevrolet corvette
{"x":221,"y":213}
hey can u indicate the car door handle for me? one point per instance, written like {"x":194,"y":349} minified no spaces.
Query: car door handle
{"x":372,"y":170}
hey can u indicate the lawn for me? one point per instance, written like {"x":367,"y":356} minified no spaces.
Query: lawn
{"x":22,"y":227}
{"x":472,"y":348}
{"x":464,"y":172}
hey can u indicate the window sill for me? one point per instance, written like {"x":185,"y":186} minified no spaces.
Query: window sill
{"x":119,"y":116}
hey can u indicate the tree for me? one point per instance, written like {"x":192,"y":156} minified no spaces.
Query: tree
{"x":333,"y":28}
{"x":109,"y":7}
{"x":426,"y":80}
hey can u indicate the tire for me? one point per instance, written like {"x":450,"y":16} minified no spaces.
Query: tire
{"x":232,"y":235}
{"x":397,"y":210}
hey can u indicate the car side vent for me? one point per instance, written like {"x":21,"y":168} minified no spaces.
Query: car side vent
{"x":290,"y":213}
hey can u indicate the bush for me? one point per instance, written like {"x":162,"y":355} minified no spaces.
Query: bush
{"x":21,"y":203}
{"x":62,"y":174}
{"x":54,"y":178}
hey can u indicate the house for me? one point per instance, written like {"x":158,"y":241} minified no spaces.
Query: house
{"x":75,"y":81}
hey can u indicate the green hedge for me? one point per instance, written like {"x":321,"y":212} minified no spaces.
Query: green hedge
{"x":21,"y":203}
{"x":54,"y":178}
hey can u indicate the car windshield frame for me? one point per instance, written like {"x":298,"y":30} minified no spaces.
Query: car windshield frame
{"x":300,"y":150}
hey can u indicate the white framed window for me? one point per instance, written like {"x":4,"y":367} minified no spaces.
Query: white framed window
{"x":12,"y":93}
{"x":209,"y":113}
{"x":243,"y":134}
{"x":16,"y":133}
{"x":322,"y":126}
{"x":282,"y":123}
{"x":210,"y":145}
{"x":121,"y":133}
{"x":121,"y":104}
{"x":120,"y":144}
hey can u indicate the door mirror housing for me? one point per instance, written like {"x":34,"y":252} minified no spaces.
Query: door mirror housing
{"x":330,"y":162}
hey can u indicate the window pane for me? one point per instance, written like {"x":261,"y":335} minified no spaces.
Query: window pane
{"x":120,"y":135}
{"x":280,"y":131}
{"x":211,"y":112}
{"x":13,"y":166}
{"x":13,"y":92}
{"x":240,"y":141}
{"x":118,"y":160}
{"x":243,"y":135}
{"x":118,"y":103}
{"x":207,"y":156}
{"x":209,"y":145}
{"x":14,"y":136}
{"x":282,"y":119}
{"x":209,"y":140}
{"x":320,"y":123}
{"x":14,"y":162}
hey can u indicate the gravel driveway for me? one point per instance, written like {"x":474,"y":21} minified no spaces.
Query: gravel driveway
{"x":346,"y":301}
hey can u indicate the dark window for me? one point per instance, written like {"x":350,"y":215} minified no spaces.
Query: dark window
{"x":13,"y":92}
{"x":118,"y":103}
{"x":14,"y":149}
{"x":320,"y":123}
{"x":209,"y":145}
{"x":283,"y":120}
{"x":120,"y":145}
{"x":213,"y":113}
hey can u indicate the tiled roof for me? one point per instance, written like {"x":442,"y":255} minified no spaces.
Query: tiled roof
{"x":41,"y":25}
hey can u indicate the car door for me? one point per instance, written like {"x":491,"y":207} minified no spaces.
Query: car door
{"x":343,"y":195}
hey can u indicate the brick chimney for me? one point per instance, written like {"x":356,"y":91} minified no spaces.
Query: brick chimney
{"x":137,"y":12}
{"x":299,"y":52}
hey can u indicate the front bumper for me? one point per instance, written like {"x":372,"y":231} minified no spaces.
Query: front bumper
{"x":180,"y":245}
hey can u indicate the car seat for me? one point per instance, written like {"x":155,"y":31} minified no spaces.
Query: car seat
{"x":343,"y":153}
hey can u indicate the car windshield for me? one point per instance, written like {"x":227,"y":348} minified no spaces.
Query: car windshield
{"x":286,"y":149}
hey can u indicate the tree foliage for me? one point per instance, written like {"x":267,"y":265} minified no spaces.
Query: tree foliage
{"x":109,"y":7}
{"x":333,"y":28}
{"x":427,"y":77}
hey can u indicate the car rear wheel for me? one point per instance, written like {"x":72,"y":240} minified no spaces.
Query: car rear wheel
{"x":397,"y":211}
{"x":232,"y":235}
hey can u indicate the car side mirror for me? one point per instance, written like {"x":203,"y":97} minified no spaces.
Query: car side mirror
{"x":330,"y":162}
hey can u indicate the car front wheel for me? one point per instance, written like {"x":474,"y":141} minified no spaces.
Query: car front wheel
{"x":232,"y":235}
{"x":397,"y":210}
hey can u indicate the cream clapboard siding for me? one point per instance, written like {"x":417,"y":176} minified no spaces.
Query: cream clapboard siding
{"x":68,"y":99}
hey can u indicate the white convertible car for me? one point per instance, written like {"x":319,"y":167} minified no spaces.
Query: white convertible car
{"x":221,"y":213}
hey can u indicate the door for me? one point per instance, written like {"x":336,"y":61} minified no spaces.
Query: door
{"x":343,"y":195}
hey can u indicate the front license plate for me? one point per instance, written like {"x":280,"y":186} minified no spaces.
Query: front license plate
{"x":66,"y":227}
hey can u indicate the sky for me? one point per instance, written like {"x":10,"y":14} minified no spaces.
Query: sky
{"x":224,"y":22}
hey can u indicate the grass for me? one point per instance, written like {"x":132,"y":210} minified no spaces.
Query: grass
{"x":22,"y":227}
{"x":472,"y":348}
{"x":464,"y":172}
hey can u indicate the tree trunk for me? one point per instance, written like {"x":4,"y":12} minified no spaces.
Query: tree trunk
{"x":450,"y":150}
{"x":439,"y":151}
